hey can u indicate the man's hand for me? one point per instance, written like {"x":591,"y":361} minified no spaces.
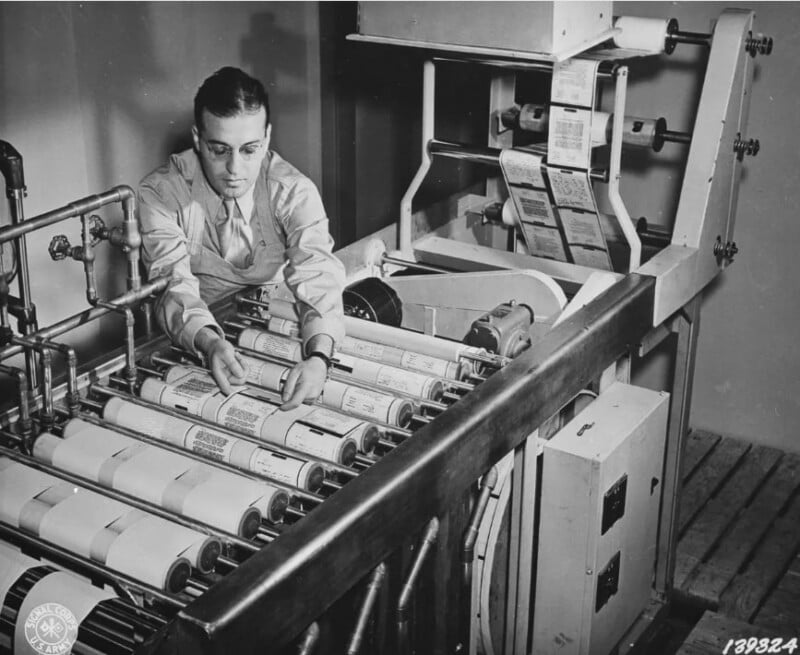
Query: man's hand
{"x":304,"y":382}
{"x":221,"y":358}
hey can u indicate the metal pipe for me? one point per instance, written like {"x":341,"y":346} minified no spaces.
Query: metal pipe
{"x":87,"y":255}
{"x":83,"y":206}
{"x":71,"y":359}
{"x":24,"y":423}
{"x":468,"y":550}
{"x":47,"y":416}
{"x":130,"y":340}
{"x":81,"y":318}
{"x":428,"y":107}
{"x":374,"y":586}
{"x":86,"y":566}
{"x":426,"y":543}
{"x":485,"y":155}
{"x":309,"y":641}
{"x":386,"y":259}
{"x":615,"y":160}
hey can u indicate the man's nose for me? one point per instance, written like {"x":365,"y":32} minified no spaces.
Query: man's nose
{"x":234,"y":162}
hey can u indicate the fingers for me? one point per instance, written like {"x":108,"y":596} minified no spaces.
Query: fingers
{"x":294,"y":389}
{"x":226,"y":367}
{"x":304,"y":383}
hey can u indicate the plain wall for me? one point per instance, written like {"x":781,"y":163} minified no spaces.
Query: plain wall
{"x":99,"y":94}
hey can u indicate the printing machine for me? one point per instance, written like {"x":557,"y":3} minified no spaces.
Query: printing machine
{"x":529,"y":505}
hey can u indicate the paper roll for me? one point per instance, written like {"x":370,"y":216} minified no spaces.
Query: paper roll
{"x":271,"y":344}
{"x":265,"y":421}
{"x":392,"y":378}
{"x":387,"y":335}
{"x":19,"y":485}
{"x":175,"y":482}
{"x":369,"y":404}
{"x":13,"y":564}
{"x":648,"y":34}
{"x":52,"y":612}
{"x":76,"y":521}
{"x":154,"y":551}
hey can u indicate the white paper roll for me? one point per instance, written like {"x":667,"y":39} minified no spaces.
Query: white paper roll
{"x":13,"y":564}
{"x":214,"y":444}
{"x":271,"y":344}
{"x":218,"y":498}
{"x":396,"y":380}
{"x":52,"y":611}
{"x":635,"y":33}
{"x":369,"y":404}
{"x":18,"y":485}
{"x":387,"y":335}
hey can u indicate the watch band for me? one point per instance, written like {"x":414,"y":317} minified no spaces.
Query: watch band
{"x":323,"y":357}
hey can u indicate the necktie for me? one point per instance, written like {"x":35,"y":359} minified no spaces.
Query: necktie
{"x":235,"y":236}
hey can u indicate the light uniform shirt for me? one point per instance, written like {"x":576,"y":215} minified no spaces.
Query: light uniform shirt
{"x":178,"y":216}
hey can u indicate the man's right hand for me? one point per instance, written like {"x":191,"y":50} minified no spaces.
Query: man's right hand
{"x":221,"y":358}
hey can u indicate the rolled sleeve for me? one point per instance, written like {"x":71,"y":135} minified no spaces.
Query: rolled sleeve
{"x":179,"y":310}
{"x":313,"y":273}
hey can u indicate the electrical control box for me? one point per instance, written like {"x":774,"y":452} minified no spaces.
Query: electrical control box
{"x":601,"y":485}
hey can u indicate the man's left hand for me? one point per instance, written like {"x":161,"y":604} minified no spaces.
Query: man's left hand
{"x":304,"y":383}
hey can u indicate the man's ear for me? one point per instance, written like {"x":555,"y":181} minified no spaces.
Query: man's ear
{"x":196,"y":138}
{"x":268,"y":137}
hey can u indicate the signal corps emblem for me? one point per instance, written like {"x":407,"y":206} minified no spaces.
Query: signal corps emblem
{"x":51,"y":629}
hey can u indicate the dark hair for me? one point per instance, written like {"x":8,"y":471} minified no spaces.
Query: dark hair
{"x":229,"y":92}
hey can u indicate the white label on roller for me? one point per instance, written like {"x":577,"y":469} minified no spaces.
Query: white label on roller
{"x":276,"y":346}
{"x":209,"y":443}
{"x":366,"y":349}
{"x":364,"y":402}
{"x":574,"y":82}
{"x":189,"y":393}
{"x":522,"y":167}
{"x":283,"y":326}
{"x":401,"y":381}
{"x":426,"y":364}
{"x":572,"y":189}
{"x":244,"y":414}
{"x":570,"y":137}
{"x":330,"y":421}
{"x":276,"y":466}
{"x":264,"y":374}
{"x":309,"y":440}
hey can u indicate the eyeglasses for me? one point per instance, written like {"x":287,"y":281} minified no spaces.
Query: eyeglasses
{"x":222,"y":152}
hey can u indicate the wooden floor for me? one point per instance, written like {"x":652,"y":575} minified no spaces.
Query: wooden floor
{"x":738,"y":555}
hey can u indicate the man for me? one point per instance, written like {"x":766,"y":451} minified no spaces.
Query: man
{"x":230,"y":213}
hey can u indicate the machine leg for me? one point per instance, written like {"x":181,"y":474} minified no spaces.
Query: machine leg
{"x":687,"y":325}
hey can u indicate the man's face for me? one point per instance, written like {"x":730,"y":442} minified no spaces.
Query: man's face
{"x":231,"y":150}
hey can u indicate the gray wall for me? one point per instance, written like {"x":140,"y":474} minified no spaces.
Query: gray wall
{"x":98,"y":94}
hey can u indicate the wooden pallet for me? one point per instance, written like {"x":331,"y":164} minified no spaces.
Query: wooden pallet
{"x":739,"y":526}
{"x":714,"y":632}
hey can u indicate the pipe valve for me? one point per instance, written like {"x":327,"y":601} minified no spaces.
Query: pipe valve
{"x":60,"y":248}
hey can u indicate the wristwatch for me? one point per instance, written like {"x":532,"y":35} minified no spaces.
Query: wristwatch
{"x":323,"y":356}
